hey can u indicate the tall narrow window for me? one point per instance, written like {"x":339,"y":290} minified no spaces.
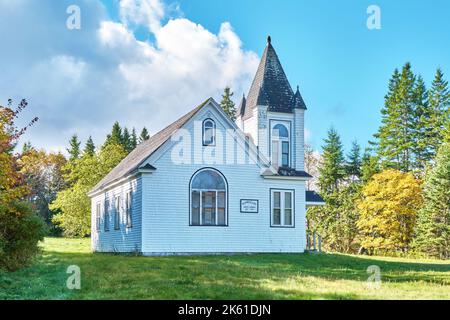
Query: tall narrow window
{"x":117,"y":213}
{"x":97,"y":216}
{"x":209,"y":132}
{"x":106,"y":216}
{"x":129,"y":216}
{"x":280,"y":146}
{"x":282,"y":207}
{"x":208,"y":199}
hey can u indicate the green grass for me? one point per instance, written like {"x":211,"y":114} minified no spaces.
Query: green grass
{"x":269,"y":276}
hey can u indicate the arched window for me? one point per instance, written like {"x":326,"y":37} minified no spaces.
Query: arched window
{"x":280,"y":146}
{"x":280,"y":131}
{"x":208,"y":192}
{"x":209,"y":132}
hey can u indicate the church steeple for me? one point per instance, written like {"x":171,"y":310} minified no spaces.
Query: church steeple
{"x":271,"y":87}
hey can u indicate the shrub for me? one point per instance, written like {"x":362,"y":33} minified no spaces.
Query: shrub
{"x":20,"y":231}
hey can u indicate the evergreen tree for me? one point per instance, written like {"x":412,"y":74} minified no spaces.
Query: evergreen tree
{"x":227,"y":104}
{"x":433,"y":223}
{"x":126,"y":140}
{"x":447,"y":132}
{"x":134,"y":139}
{"x":331,"y":167}
{"x":422,"y":126}
{"x":89,"y":148}
{"x":74,"y":149}
{"x":439,"y":100}
{"x":395,"y":137}
{"x":369,"y":166}
{"x":353,"y":167}
{"x":116,"y":136}
{"x":144,"y":135}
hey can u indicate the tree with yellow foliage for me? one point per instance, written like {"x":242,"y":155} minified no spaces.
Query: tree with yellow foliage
{"x":388,"y":210}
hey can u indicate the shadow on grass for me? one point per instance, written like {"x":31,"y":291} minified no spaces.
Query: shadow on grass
{"x":266,"y":276}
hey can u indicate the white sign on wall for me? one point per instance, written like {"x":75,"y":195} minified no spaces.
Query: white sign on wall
{"x":249,"y":206}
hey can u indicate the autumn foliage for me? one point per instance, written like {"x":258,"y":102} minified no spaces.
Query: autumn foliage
{"x":20,"y":227}
{"x":387,"y":211}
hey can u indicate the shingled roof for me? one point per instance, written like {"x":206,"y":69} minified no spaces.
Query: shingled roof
{"x":271,"y":87}
{"x":145,"y":149}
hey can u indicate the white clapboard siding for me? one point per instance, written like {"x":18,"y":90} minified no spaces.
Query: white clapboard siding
{"x":165,"y":221}
{"x":124,"y":239}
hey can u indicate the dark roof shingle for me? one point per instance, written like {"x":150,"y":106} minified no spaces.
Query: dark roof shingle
{"x":271,"y":87}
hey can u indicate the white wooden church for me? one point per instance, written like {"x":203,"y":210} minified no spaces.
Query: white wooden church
{"x":206,"y":184}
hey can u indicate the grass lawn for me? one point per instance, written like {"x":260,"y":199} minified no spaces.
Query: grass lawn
{"x":265,"y":276}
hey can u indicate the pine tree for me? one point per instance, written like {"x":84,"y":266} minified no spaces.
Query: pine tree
{"x":422,"y":126}
{"x":353,"y":166}
{"x":133,"y":139}
{"x":439,"y":100}
{"x":89,"y":148}
{"x":144,"y":135}
{"x":227,"y":104}
{"x":331,"y":167}
{"x":369,"y":166}
{"x":433,"y":224}
{"x":74,"y":149}
{"x":116,"y":136}
{"x":126,"y":140}
{"x":395,"y":136}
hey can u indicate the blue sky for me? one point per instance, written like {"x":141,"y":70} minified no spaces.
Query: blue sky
{"x":325,"y":47}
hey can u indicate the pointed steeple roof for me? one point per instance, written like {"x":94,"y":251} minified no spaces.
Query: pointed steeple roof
{"x":270,"y":86}
{"x":298,"y":102}
{"x":242,"y":104}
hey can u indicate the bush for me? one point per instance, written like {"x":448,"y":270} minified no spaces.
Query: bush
{"x":20,"y":231}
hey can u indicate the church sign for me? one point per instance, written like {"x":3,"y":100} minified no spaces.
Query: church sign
{"x":249,"y":206}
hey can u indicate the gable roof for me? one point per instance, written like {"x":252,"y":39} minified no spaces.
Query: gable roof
{"x":131,"y":162}
{"x":271,"y":87}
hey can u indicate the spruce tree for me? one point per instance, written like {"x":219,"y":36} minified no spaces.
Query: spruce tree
{"x":439,"y":100}
{"x":116,"y":136}
{"x":134,"y":139}
{"x":126,"y":140}
{"x":422,"y":126}
{"x":395,"y":137}
{"x":144,"y":135}
{"x":74,"y":148}
{"x":433,"y":223}
{"x":369,"y":166}
{"x":89,"y":148}
{"x":353,"y":166}
{"x":227,"y":104}
{"x":331,"y":168}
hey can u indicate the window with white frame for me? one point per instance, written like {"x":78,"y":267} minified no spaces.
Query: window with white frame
{"x":129,"y":222}
{"x":282,"y":208}
{"x":117,"y":213}
{"x":106,"y":215}
{"x":208,"y":191}
{"x":209,"y":132}
{"x":97,"y":215}
{"x":280,"y":145}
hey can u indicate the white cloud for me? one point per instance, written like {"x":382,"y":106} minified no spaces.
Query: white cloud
{"x":81,"y":82}
{"x":148,"y":13}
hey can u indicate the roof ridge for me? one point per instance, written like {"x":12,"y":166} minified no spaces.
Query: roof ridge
{"x":135,"y":158}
